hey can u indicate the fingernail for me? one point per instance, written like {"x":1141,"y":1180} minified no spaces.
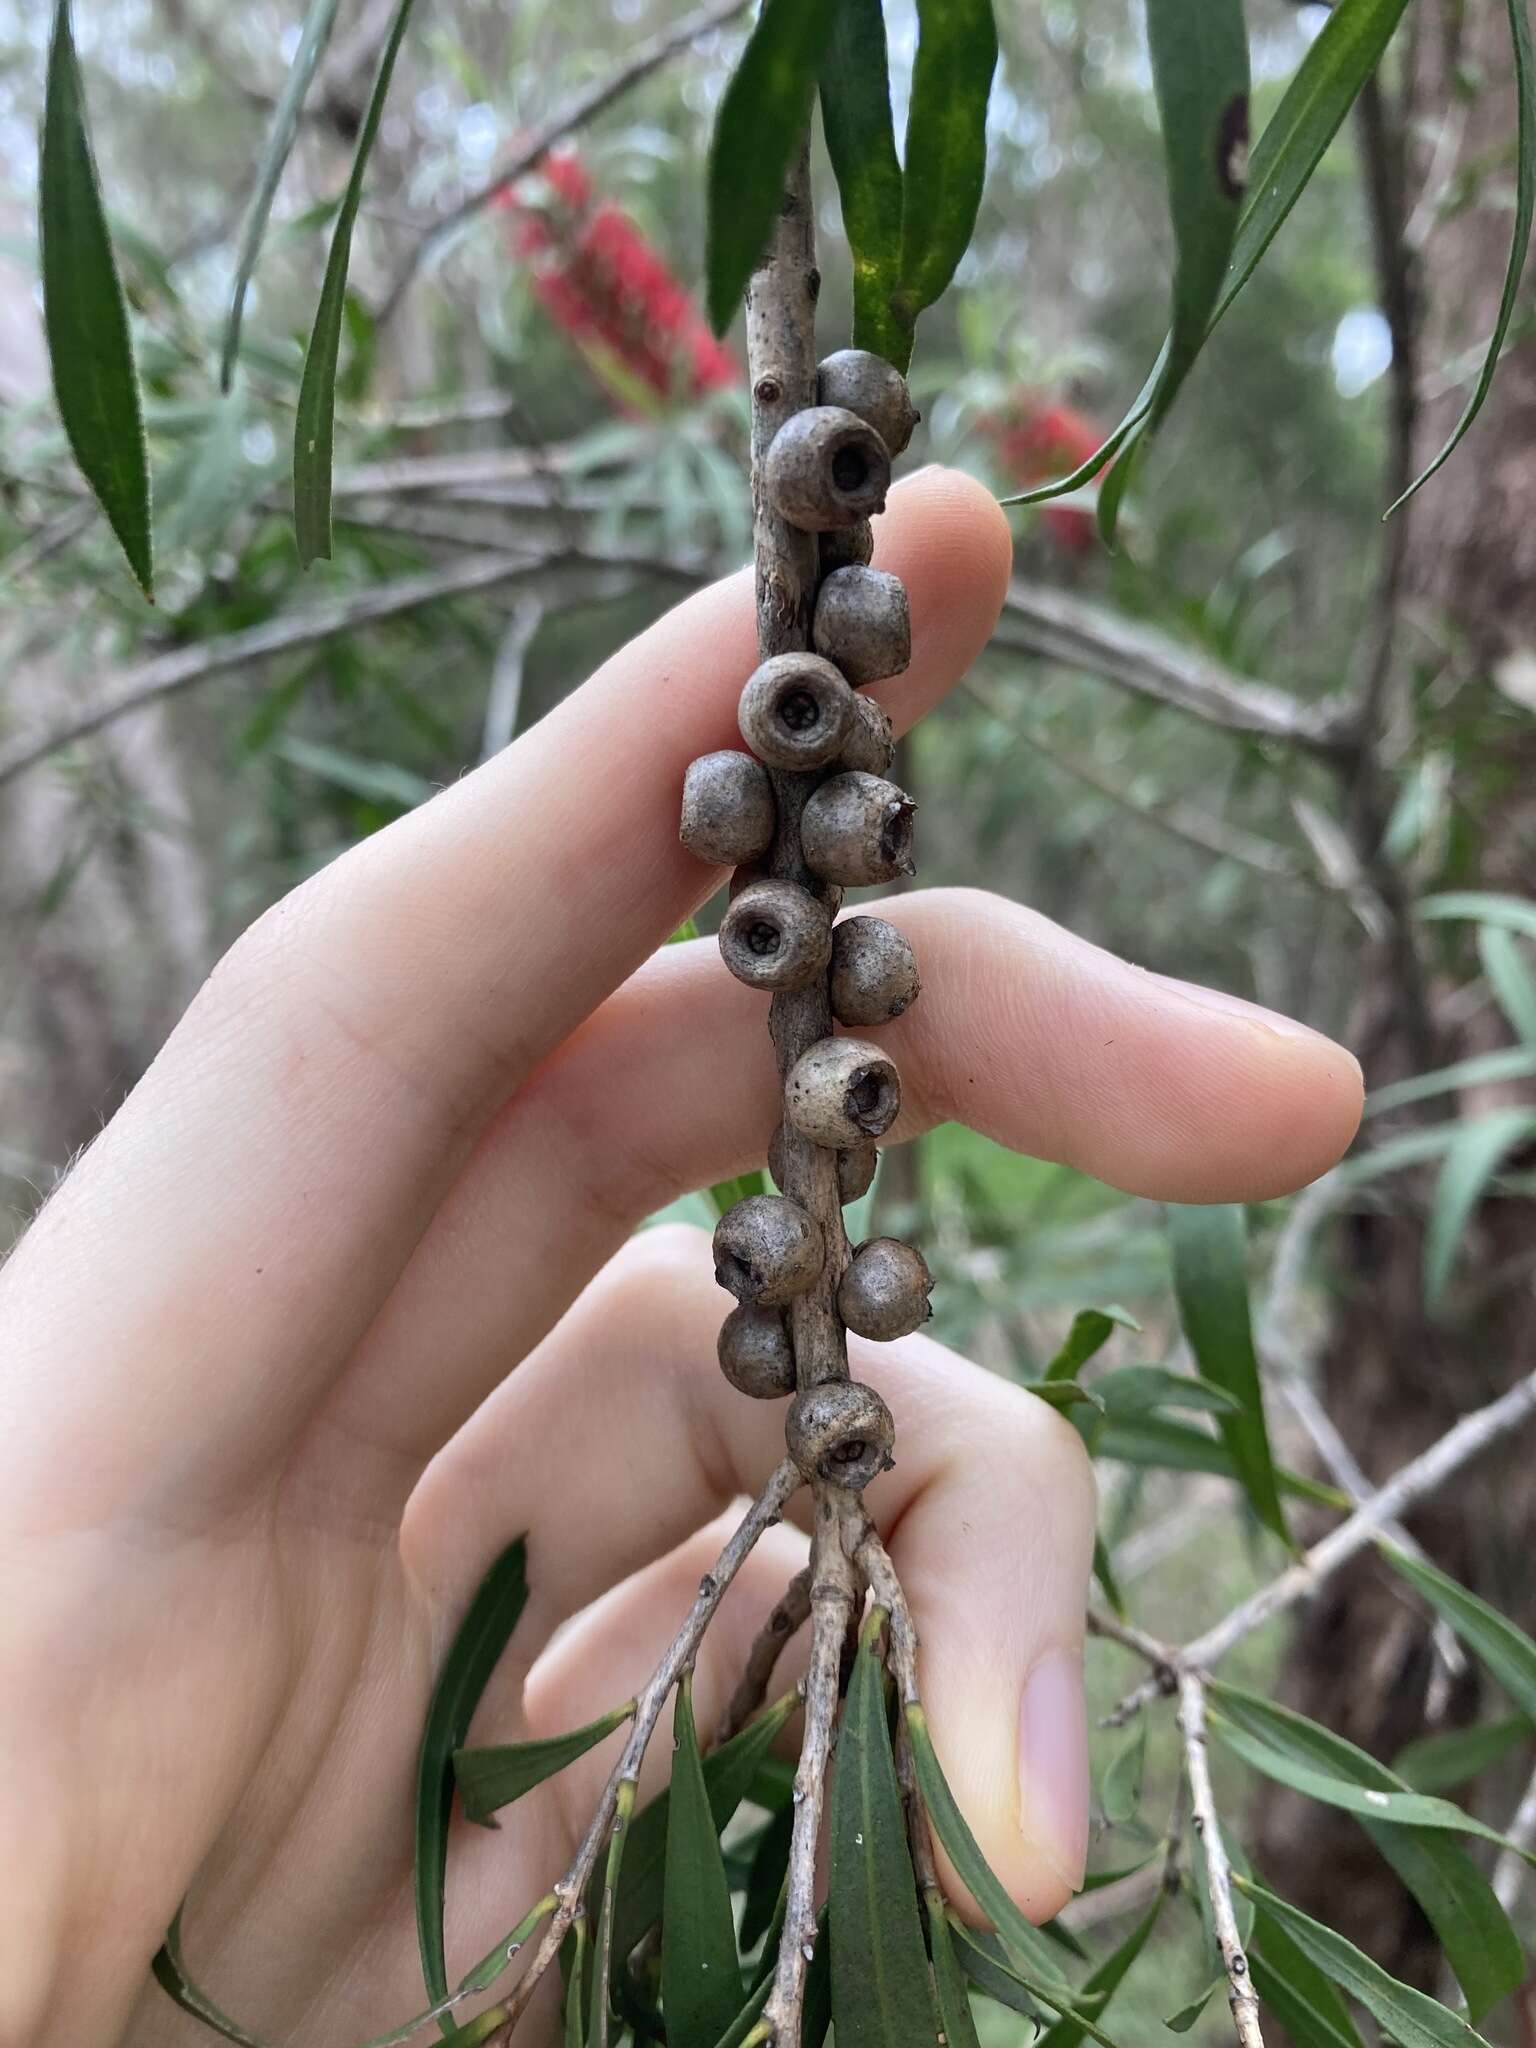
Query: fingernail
{"x":1053,"y":1764}
{"x":1253,"y":1013}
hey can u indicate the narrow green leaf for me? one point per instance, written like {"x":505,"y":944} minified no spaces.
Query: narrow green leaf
{"x":316,"y":33}
{"x":1210,"y":1279}
{"x":988,"y":1972}
{"x":1181,"y":2021}
{"x":765,"y":1876}
{"x":1439,"y":1763}
{"x":1303,"y":1996}
{"x":1064,"y":1394}
{"x":316,"y":417}
{"x":1495,"y":1641}
{"x":1508,"y":1063}
{"x":1150,"y":1440}
{"x":729,"y":1773}
{"x":1520,"y":239}
{"x":1327,"y":82}
{"x":1121,"y":1794}
{"x":85,"y":316}
{"x":954,"y":2001}
{"x":493,"y":1777}
{"x":575,"y":1992}
{"x":881,"y":1993}
{"x":1024,"y":1942}
{"x":700,"y":1976}
{"x":169,"y":1971}
{"x":856,"y":116}
{"x":1144,"y":1389}
{"x":1411,"y":2019}
{"x":1102,"y":1983}
{"x":761,"y":123}
{"x":1091,"y":1330}
{"x":1476,"y":1153}
{"x":600,"y":2014}
{"x":1482,"y":906}
{"x":1510,"y":977}
{"x":472,"y":1657}
{"x":1407,"y":1827}
{"x":946,"y":143}
{"x":1104,"y":1572}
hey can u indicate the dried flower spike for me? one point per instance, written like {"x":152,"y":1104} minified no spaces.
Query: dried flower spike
{"x":768,"y":1250}
{"x":857,"y":829}
{"x":755,"y":1353}
{"x":884,"y":1293}
{"x":874,"y":973}
{"x":842,"y":1093}
{"x":871,"y":742}
{"x":863,"y":624}
{"x":826,"y":469}
{"x":775,"y":935}
{"x":728,"y":808}
{"x":795,"y":712}
{"x":873,"y":388}
{"x":841,"y":1431}
{"x":855,"y":1167}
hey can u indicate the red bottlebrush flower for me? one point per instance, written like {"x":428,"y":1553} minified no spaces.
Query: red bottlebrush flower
{"x":605,"y":285}
{"x":1040,"y":440}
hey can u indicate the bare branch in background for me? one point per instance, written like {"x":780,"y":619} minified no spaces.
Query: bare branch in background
{"x":581,"y":108}
{"x":505,"y":696}
{"x":1218,"y":1871}
{"x":1511,"y":1870}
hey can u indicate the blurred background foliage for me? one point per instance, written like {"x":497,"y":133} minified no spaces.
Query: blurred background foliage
{"x":539,"y":449}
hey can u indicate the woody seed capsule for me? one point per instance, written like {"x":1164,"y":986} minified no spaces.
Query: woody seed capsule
{"x":775,"y":935}
{"x":767,"y":1250}
{"x":728,"y":808}
{"x":756,"y":1355}
{"x":874,"y":974}
{"x":848,"y":546}
{"x":857,"y":828}
{"x":873,"y":388}
{"x":826,"y":469}
{"x":884,"y":1293}
{"x":871,"y":741}
{"x":840,"y":1431}
{"x":842,"y":1093}
{"x":795,"y":711}
{"x":863,"y":624}
{"x":855,"y":1168}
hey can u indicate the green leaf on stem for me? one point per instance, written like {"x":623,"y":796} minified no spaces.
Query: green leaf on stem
{"x":1109,"y":1585}
{"x":1091,"y":1330}
{"x":1298,"y":1991}
{"x":315,"y":420}
{"x":1495,"y":1641}
{"x":1474,"y":1156}
{"x":575,"y":1990}
{"x":946,"y":144}
{"x":856,"y":117}
{"x":1181,"y":2021}
{"x":954,"y":2001}
{"x":1210,"y":1278}
{"x":760,"y":125}
{"x":1482,"y":906}
{"x":1152,"y":1441}
{"x":881,"y":1991}
{"x":316,"y":33}
{"x":1147,"y":1389}
{"x":1103,"y":1982}
{"x":1520,"y":239}
{"x":600,"y":2014}
{"x":1407,"y":2016}
{"x":700,"y":1976}
{"x":1064,"y":1394}
{"x":482,"y":1636}
{"x":85,"y":316}
{"x":1510,"y":977}
{"x":492,"y":1777}
{"x":1439,"y":1763}
{"x":1410,"y":1829}
{"x":1121,"y":1794}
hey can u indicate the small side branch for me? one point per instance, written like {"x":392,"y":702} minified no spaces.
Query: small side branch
{"x":1218,"y":1871}
{"x":785,"y":1622}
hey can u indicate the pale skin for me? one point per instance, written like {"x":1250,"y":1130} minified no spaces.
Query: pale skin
{"x":346,"y":1296}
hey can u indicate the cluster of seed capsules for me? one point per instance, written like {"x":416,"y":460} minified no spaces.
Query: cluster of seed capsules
{"x":821,"y":752}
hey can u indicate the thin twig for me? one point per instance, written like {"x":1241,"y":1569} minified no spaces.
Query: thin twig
{"x":572,"y":1889}
{"x":786,"y":1620}
{"x":504,"y":698}
{"x":1511,"y":1870}
{"x":577,"y":111}
{"x":1218,"y":1872}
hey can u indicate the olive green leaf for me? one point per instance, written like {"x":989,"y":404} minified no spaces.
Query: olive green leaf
{"x":1211,"y":1282}
{"x":700,"y":1976}
{"x":726,"y":1194}
{"x":1519,"y":241}
{"x":761,"y":123}
{"x":1102,"y":1983}
{"x":855,"y":91}
{"x":1091,"y":1330}
{"x":1439,"y":1763}
{"x":1121,"y":1792}
{"x":1298,"y":1991}
{"x":1109,"y":1585}
{"x":473,"y":1655}
{"x":946,"y":144}
{"x":954,"y":2000}
{"x":315,"y":422}
{"x":85,"y":316}
{"x":1145,"y":1389}
{"x":1155,"y":1442}
{"x":1405,"y":2015}
{"x":1508,"y":1653}
{"x":1181,"y":2021}
{"x":882,"y":1996}
{"x":314,"y":36}
{"x":492,"y":1777}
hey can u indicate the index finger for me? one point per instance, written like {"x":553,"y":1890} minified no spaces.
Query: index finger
{"x":256,"y":1197}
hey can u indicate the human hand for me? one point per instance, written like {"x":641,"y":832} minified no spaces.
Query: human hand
{"x":342,"y":1300}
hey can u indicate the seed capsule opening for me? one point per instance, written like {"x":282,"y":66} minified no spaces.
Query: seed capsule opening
{"x":826,"y":469}
{"x":840,"y":1431}
{"x":796,"y":711}
{"x":776,"y":935}
{"x":842,"y":1093}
